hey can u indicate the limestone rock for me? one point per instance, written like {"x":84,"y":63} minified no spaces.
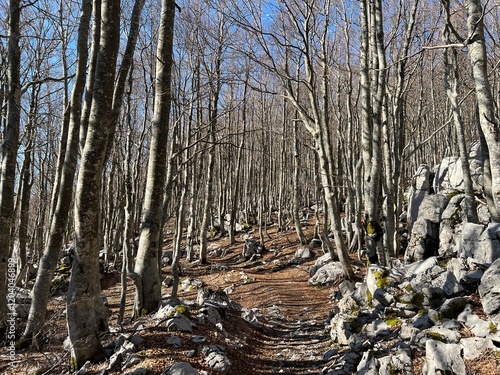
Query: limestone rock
{"x":181,"y":368}
{"x":443,"y":358}
{"x":331,"y":273}
{"x":489,"y":290}
{"x":473,"y":347}
{"x":180,"y":323}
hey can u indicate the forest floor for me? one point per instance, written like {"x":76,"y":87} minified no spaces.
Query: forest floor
{"x":291,"y":337}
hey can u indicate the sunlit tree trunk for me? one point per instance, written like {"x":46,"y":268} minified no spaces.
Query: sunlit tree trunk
{"x":451,"y":83}
{"x":148,"y":283}
{"x":9,"y":151}
{"x":490,"y":125}
{"x":86,"y":314}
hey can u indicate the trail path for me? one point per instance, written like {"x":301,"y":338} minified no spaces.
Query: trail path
{"x":290,"y":337}
{"x":292,"y":312}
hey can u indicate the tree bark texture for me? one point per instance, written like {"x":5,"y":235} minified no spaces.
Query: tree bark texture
{"x":85,"y":309}
{"x":9,"y":151}
{"x":64,"y":193}
{"x":487,"y":117}
{"x":148,"y":290}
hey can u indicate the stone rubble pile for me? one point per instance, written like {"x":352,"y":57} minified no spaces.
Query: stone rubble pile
{"x":442,"y":301}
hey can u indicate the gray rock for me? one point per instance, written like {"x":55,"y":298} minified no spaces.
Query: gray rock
{"x":419,"y":189}
{"x":346,"y":288}
{"x":139,"y":371}
{"x":443,"y":334}
{"x":345,"y":331}
{"x":377,"y":328}
{"x":218,"y":362}
{"x":189,"y":285}
{"x":396,"y":363}
{"x":180,"y":323}
{"x":473,"y":347}
{"x":138,"y":341}
{"x":303,"y":253}
{"x":329,"y":354}
{"x":458,"y":266}
{"x":452,"y":307}
{"x":489,"y":290}
{"x":421,"y":266}
{"x":198,"y":339}
{"x":346,"y":365}
{"x":449,"y":174}
{"x":360,"y":294}
{"x":448,"y":283}
{"x":422,"y":322}
{"x":165,"y":312}
{"x":132,"y":360}
{"x":181,"y":368}
{"x":480,"y":243}
{"x":433,"y":296}
{"x":249,"y":249}
{"x":443,"y":171}
{"x":368,"y":365}
{"x":377,"y":277}
{"x":424,"y":227}
{"x":216,"y":358}
{"x":478,"y":326}
{"x":382,"y":296}
{"x":443,"y":357}
{"x":408,"y":332}
{"x":320,"y":262}
{"x":174,"y":341}
{"x":211,"y":314}
{"x":331,"y":273}
{"x":250,"y":316}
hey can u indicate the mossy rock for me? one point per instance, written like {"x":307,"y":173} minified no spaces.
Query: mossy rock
{"x":382,"y":279}
{"x":182,"y":309}
{"x":392,"y":320}
{"x":73,"y":364}
{"x":369,"y":296}
{"x":436,"y":336}
{"x":493,"y":328}
{"x":452,"y":194}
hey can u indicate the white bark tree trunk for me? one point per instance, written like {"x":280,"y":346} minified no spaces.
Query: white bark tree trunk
{"x":9,"y":151}
{"x":63,"y":187}
{"x":487,"y":118}
{"x":86,"y":314}
{"x":148,"y":283}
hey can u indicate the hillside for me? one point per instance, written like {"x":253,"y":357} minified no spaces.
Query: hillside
{"x":274,"y":323}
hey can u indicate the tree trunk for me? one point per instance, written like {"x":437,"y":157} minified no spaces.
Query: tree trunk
{"x":372,"y":96}
{"x":148,"y":290}
{"x":85,"y":309}
{"x":487,"y":118}
{"x":295,"y":193}
{"x":9,"y":151}
{"x":63,"y":188}
{"x":89,"y":87}
{"x":451,"y":83}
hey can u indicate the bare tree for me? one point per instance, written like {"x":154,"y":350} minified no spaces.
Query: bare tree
{"x":490,"y":125}
{"x":148,"y":283}
{"x":451,"y":83}
{"x":86,"y":314}
{"x":10,"y":146}
{"x":302,"y":42}
{"x":63,"y":188}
